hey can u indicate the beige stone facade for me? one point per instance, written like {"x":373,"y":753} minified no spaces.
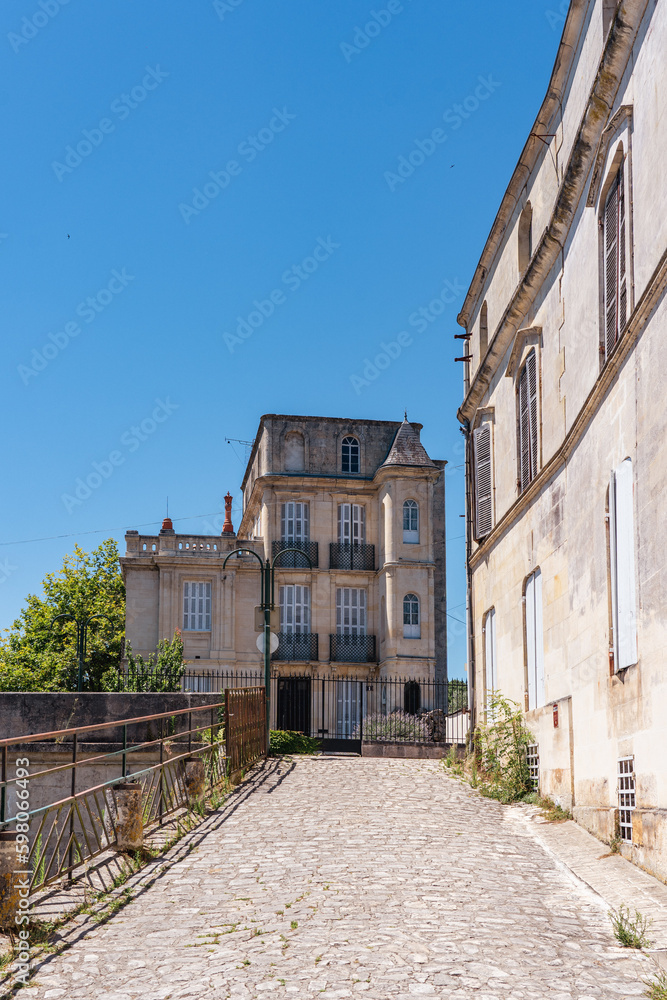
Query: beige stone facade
{"x":365,"y":503}
{"x":564,"y":408}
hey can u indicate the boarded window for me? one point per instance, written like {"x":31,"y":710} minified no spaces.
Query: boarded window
{"x":615,"y":271}
{"x":351,"y":523}
{"x":483,"y":481}
{"x":527,"y":422}
{"x":534,"y":640}
{"x":294,"y":610}
{"x":350,"y":611}
{"x":622,"y":563}
{"x":196,"y":607}
{"x":294,"y":522}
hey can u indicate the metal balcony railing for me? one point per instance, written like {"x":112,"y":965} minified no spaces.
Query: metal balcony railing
{"x":294,"y":560}
{"x":301,"y":646}
{"x":351,"y":555}
{"x":352,"y":648}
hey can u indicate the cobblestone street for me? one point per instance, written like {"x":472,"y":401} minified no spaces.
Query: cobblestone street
{"x":339,"y":876}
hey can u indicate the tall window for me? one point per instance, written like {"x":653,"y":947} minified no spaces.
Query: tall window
{"x":483,"y":329}
{"x":350,"y":611}
{"x":534,"y":640}
{"x":411,"y":626}
{"x":410,"y":521}
{"x":615,"y":272}
{"x":490,"y":664}
{"x":481,"y":441}
{"x":351,"y":523}
{"x":525,"y":237}
{"x":294,"y":609}
{"x":527,"y":422}
{"x":622,"y":564}
{"x":196,"y":607}
{"x":294,"y":522}
{"x":350,"y":455}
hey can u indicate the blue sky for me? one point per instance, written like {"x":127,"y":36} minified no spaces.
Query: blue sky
{"x":169,"y":170}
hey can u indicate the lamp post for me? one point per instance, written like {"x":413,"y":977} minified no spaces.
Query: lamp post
{"x":266,"y":595}
{"x":82,"y":625}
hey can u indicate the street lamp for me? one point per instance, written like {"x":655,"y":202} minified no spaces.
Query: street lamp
{"x":81,"y":638}
{"x":266,"y":602}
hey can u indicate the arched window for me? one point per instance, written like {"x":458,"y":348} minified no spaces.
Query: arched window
{"x":410,"y":521}
{"x":412,"y":698}
{"x":350,"y":455}
{"x":525,"y":237}
{"x":483,"y":329}
{"x":411,"y":625}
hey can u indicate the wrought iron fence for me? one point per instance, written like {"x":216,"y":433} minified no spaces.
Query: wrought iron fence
{"x":351,"y":555}
{"x":352,"y":649}
{"x":301,"y":646}
{"x":59,"y":831}
{"x":294,"y":560}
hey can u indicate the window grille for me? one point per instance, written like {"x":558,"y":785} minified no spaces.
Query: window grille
{"x":411,"y":626}
{"x":626,"y":796}
{"x":350,"y":455}
{"x":196,"y":606}
{"x":410,"y":521}
{"x":533,"y":761}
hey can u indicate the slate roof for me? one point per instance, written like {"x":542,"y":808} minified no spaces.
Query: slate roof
{"x":407,"y":449}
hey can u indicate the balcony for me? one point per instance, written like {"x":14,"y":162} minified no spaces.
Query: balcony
{"x":294,"y":560}
{"x":296,"y":646}
{"x":351,"y":555}
{"x":352,"y":648}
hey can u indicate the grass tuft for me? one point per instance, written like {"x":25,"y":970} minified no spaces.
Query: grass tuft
{"x":630,"y":931}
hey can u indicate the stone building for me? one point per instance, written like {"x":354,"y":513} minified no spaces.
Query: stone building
{"x":363,"y":594}
{"x":563,"y":408}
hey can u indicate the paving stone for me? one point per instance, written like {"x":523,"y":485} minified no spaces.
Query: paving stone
{"x":340,"y":877}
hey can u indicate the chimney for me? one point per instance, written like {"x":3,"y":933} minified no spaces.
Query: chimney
{"x":228,"y":527}
{"x":167,"y":527}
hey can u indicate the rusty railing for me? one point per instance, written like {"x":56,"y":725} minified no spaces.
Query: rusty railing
{"x":245,"y":726}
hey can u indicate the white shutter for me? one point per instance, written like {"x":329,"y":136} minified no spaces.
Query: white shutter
{"x":490,"y":653}
{"x":351,"y":523}
{"x":524,"y":431}
{"x":530,"y":640}
{"x":621,"y":525}
{"x":350,"y":611}
{"x":186,"y":606}
{"x":483,"y":483}
{"x":343,"y":522}
{"x":197,"y":606}
{"x":539,"y":642}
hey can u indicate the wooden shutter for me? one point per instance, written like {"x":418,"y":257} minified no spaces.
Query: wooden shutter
{"x":483,"y":484}
{"x":294,"y":522}
{"x":531,"y":368}
{"x":622,"y":552}
{"x":490,"y":652}
{"x":528,"y":438}
{"x":535,"y":640}
{"x":611,"y":266}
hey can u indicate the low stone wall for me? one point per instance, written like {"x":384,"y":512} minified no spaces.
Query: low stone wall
{"x":422,"y":751}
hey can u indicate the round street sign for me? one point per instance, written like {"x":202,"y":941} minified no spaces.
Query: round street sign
{"x":273,"y":643}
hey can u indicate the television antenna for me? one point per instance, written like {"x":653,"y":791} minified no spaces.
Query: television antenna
{"x":246,"y":444}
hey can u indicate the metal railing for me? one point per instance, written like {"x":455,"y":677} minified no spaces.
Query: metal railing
{"x":294,"y":560}
{"x":301,"y":646}
{"x":64,"y":829}
{"x":352,"y":649}
{"x":351,"y":555}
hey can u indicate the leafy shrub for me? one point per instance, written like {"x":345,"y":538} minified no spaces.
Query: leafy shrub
{"x":500,"y":751}
{"x":286,"y":741}
{"x":630,"y":931}
{"x":392,"y":728}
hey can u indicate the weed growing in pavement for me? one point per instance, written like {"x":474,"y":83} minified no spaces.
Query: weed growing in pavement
{"x":500,"y":751}
{"x":284,"y":741}
{"x":294,"y":924}
{"x":631,"y":932}
{"x":657,"y":989}
{"x":551,"y":812}
{"x":615,"y":845}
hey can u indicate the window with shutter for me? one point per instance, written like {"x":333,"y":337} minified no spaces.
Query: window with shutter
{"x":622,"y":563}
{"x":196,"y":606}
{"x":534,"y":640}
{"x":527,"y":422}
{"x":483,"y":481}
{"x":294,"y":522}
{"x":351,"y":523}
{"x":615,"y":271}
{"x":490,"y":653}
{"x":294,"y":609}
{"x":350,"y":611}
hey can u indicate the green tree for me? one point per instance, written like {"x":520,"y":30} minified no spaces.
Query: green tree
{"x":160,"y":672}
{"x":34,"y":656}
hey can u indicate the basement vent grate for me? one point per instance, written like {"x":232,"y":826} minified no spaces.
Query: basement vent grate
{"x":626,"y":796}
{"x":533,"y":761}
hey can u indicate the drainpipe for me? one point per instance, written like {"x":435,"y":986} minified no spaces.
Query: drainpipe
{"x":465,"y":430}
